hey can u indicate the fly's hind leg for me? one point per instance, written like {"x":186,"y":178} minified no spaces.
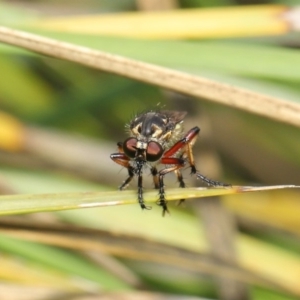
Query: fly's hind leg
{"x":189,"y":140}
{"x":211,"y":182}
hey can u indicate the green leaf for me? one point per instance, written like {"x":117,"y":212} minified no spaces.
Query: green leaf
{"x":18,"y":204}
{"x":61,"y":260}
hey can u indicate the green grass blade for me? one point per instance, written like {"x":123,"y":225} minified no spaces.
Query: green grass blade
{"x":18,"y":204}
{"x":65,"y":262}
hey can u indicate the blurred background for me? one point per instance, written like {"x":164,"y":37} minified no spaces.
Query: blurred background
{"x":60,"y":121}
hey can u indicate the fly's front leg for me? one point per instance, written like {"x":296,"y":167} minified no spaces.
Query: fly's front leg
{"x":140,"y":191}
{"x":126,"y":182}
{"x":123,"y":160}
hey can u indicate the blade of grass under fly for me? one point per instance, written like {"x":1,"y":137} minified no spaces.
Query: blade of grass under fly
{"x":18,"y":204}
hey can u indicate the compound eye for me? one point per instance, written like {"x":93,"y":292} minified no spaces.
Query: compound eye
{"x":129,"y":147}
{"x":154,"y":151}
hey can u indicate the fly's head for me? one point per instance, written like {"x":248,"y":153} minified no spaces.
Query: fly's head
{"x":151,"y":133}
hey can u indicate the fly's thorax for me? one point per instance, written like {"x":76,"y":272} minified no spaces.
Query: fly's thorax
{"x":157,"y":127}
{"x":149,"y":126}
{"x":152,"y":133}
{"x":175,"y":135}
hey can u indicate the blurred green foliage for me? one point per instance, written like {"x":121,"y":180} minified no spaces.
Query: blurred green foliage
{"x":49,"y":93}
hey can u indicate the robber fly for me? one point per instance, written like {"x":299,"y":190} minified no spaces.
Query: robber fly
{"x":156,"y":138}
